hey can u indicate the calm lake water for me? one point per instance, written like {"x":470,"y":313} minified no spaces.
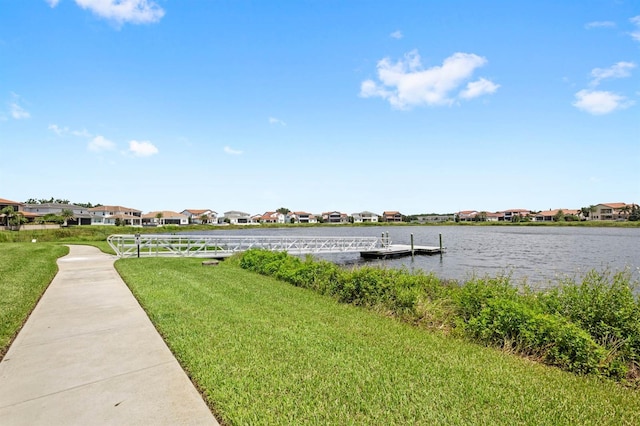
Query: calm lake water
{"x":538,"y":254}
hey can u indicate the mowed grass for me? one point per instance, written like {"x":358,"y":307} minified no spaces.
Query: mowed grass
{"x":265,"y":352}
{"x":26,"y":270}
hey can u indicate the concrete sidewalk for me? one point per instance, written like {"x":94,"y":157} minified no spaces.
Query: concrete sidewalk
{"x":89,"y":355}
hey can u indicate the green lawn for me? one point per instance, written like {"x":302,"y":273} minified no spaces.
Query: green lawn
{"x":265,"y":352}
{"x":26,"y":269}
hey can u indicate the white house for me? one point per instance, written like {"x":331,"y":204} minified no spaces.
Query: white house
{"x":235,"y":217}
{"x":271,"y":217}
{"x":109,"y":215}
{"x":81,"y":215}
{"x":365,"y":216}
{"x":201,"y":217}
{"x":165,"y":217}
{"x":304,"y":217}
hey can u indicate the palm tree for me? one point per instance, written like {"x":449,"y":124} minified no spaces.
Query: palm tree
{"x":159,"y":217}
{"x":14,"y":219}
{"x":204,"y":218}
{"x":5,"y":214}
{"x":625,"y":210}
{"x":66,"y":215}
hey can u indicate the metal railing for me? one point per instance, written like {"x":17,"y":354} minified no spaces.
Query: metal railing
{"x":159,"y":245}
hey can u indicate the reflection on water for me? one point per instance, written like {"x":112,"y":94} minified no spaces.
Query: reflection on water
{"x":535,"y":254}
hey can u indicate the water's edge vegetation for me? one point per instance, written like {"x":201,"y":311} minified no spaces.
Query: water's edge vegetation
{"x":587,"y":327}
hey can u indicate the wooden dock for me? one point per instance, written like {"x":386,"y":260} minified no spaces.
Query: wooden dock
{"x":399,"y":250}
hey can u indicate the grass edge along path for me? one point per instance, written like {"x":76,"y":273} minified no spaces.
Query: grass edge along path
{"x":265,"y":352}
{"x":26,"y":270}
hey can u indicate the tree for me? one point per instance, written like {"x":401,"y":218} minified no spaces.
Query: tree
{"x":559,"y":216}
{"x":283,"y":210}
{"x":585,"y":211}
{"x":625,"y":210}
{"x":66,"y":215}
{"x":635,"y":213}
{"x":159,"y":217}
{"x":204,"y":218}
{"x":13,"y":218}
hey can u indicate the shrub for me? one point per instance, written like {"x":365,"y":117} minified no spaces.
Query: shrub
{"x":604,"y":306}
{"x":587,"y":328}
{"x":515,"y":326}
{"x":476,"y":293}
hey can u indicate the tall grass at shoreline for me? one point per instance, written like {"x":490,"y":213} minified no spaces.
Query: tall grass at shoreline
{"x":265,"y":352}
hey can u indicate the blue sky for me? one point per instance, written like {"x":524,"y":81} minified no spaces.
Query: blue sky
{"x":417,"y":106}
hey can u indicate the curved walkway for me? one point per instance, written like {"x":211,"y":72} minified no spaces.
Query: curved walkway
{"x":89,"y":355}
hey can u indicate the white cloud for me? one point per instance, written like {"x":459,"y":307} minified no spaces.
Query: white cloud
{"x":52,"y":3}
{"x":122,"y":11}
{"x":17,"y":112}
{"x":57,"y":129}
{"x":60,"y":131}
{"x":406,"y":83}
{"x":231,"y":151}
{"x":618,"y":70}
{"x":600,"y":102}
{"x":396,"y":34}
{"x":635,"y":34}
{"x":600,"y":24}
{"x":142,"y":148}
{"x":479,"y":88}
{"x":273,"y":120}
{"x":100,"y":143}
{"x":81,"y":133}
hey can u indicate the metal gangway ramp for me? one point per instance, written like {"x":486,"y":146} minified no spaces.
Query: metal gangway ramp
{"x":219,"y":246}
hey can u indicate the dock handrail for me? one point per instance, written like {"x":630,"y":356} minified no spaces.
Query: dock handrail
{"x":155,"y":245}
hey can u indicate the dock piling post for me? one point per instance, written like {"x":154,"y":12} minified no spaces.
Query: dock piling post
{"x":412,"y":251}
{"x":440,"y":244}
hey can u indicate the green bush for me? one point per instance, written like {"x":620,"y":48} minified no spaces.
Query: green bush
{"x":604,"y":306}
{"x":551,"y":338}
{"x":476,"y":293}
{"x":587,"y":328}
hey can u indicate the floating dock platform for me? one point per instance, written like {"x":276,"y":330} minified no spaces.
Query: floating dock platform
{"x":399,"y":250}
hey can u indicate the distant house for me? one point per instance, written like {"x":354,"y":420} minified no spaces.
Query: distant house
{"x":511,"y":215}
{"x":303,"y":217}
{"x":364,"y":217}
{"x":271,"y":217}
{"x":4,"y":203}
{"x":435,"y":218}
{"x":164,"y":217}
{"x":235,"y":217}
{"x":611,"y":211}
{"x":81,"y":215}
{"x":391,"y":216}
{"x":491,"y":217}
{"x":550,"y":215}
{"x":201,"y":217}
{"x":467,"y":215}
{"x":112,"y":215}
{"x":335,"y":217}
